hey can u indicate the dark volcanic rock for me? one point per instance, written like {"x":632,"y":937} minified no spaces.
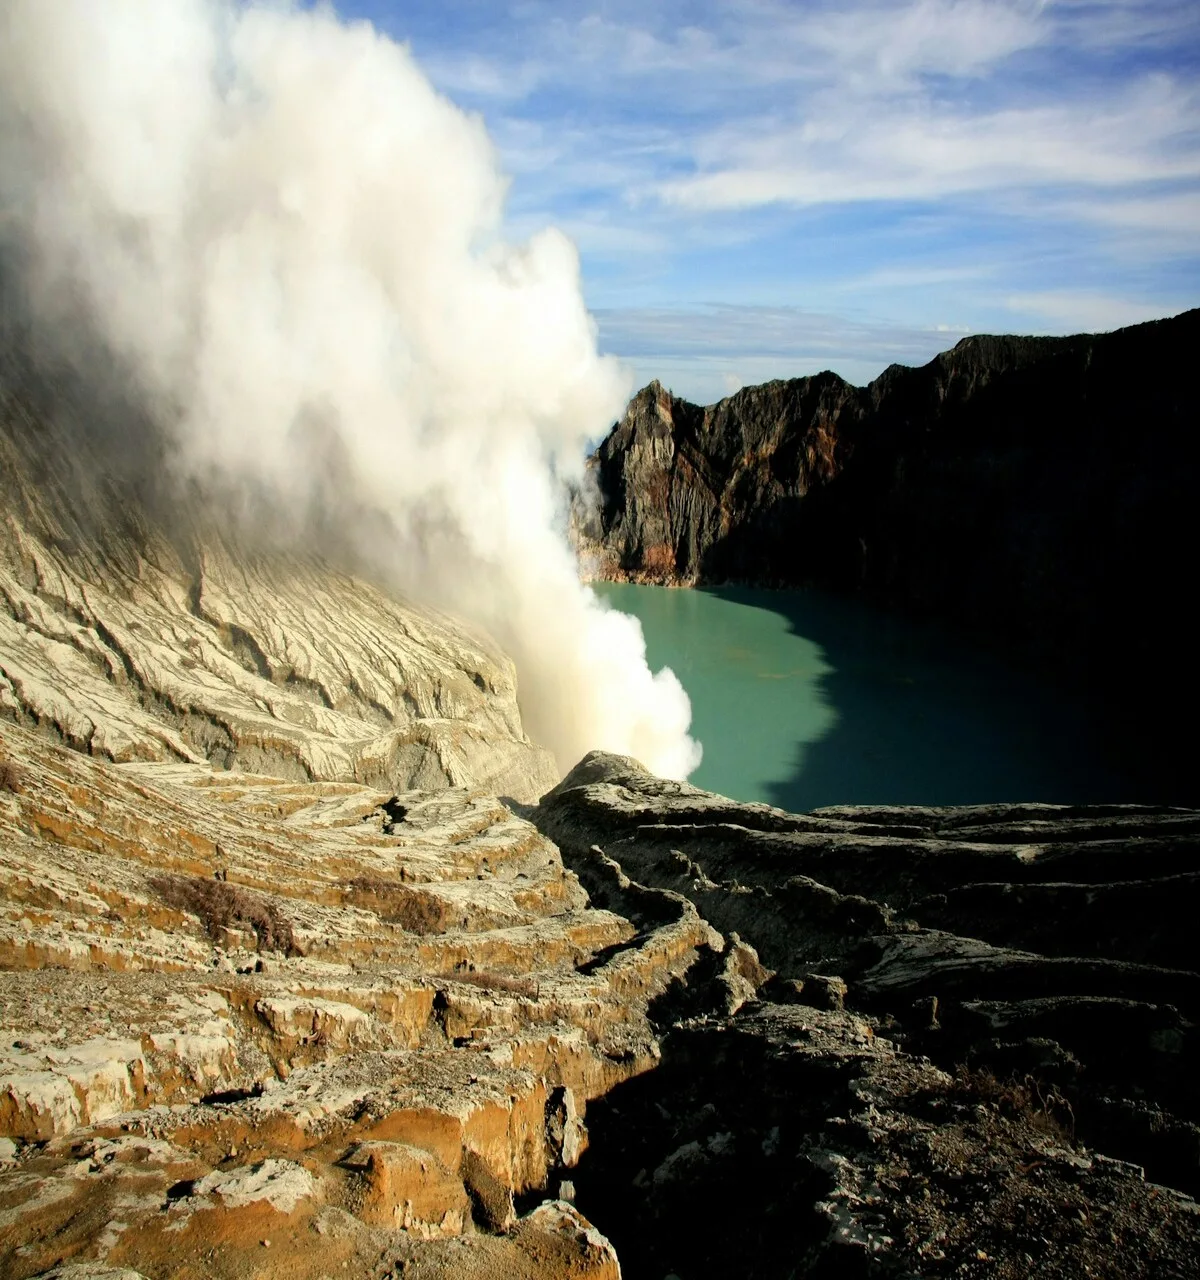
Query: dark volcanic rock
{"x":1036,"y":490}
{"x":968,"y":1059}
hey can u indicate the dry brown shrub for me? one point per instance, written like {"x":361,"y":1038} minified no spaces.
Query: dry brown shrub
{"x":412,"y":909}
{"x":223,"y":906}
{"x":1043,"y":1105}
{"x":11,"y":776}
{"x":496,"y":982}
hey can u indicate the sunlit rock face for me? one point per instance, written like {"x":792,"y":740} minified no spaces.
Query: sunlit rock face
{"x":137,"y":623}
{"x":286,"y":989}
{"x":355,"y":1023}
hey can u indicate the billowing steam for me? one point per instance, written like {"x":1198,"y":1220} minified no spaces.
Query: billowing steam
{"x":296,"y":244}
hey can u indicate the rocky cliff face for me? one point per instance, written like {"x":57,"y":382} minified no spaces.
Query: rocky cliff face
{"x":1036,"y":490}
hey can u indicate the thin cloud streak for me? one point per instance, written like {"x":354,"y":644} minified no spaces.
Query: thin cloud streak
{"x":746,"y":330}
{"x":1080,"y":311}
{"x":931,"y":159}
{"x":702,"y":352}
{"x":929,"y":154}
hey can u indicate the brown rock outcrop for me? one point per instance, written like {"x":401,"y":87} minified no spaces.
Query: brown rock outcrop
{"x":217,"y":1026}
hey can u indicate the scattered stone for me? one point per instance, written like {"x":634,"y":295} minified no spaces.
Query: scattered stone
{"x":822,"y":991}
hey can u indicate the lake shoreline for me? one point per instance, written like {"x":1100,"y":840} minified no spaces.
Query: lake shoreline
{"x":802,"y":698}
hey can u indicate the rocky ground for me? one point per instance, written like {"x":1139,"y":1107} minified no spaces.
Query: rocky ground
{"x":261,"y":1027}
{"x":964,"y":1042}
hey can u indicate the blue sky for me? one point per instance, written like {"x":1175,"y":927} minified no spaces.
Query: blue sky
{"x":765,"y":189}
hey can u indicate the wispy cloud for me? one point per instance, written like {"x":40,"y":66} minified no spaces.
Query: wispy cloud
{"x":759,"y":101}
{"x":748,"y":330}
{"x":918,"y":275}
{"x":931,"y":158}
{"x":702,"y":352}
{"x":1081,"y":311}
{"x":923,"y":149}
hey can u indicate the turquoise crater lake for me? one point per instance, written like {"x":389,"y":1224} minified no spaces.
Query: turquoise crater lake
{"x":801,"y":700}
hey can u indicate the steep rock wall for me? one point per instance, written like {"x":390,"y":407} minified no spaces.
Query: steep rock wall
{"x":1039,"y":490}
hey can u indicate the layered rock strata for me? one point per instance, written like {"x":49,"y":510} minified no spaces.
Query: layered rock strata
{"x":287,"y":991}
{"x":942,"y":1041}
{"x":135,"y":626}
{"x":253,"y":1026}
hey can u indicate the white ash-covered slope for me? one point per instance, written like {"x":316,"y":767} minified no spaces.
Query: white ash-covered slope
{"x":285,"y":990}
{"x":136,"y":637}
{"x":355,"y":1024}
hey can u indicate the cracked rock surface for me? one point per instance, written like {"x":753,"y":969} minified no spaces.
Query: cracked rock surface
{"x":136,"y":633}
{"x":287,"y":991}
{"x":363,"y":1027}
{"x":953,"y":1056}
{"x":256,"y":1027}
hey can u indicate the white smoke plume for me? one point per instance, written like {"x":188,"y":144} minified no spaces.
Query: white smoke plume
{"x":297,"y":244}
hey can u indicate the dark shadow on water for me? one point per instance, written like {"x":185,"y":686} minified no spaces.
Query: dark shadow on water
{"x":922,"y":716}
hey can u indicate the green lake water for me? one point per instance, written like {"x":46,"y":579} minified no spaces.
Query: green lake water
{"x":801,"y":700}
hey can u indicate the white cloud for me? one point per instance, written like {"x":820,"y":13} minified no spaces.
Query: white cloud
{"x":944,"y":37}
{"x":477,"y":75}
{"x":924,"y":152}
{"x":700,"y":352}
{"x":919,"y":275}
{"x":1173,"y":215}
{"x":1014,"y":146}
{"x":760,"y":102}
{"x":1071,"y":311}
{"x":1108,"y":25}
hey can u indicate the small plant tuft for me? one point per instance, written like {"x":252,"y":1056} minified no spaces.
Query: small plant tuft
{"x":1043,"y":1105}
{"x":12,"y":777}
{"x":412,"y":909}
{"x":496,"y":982}
{"x":221,"y":906}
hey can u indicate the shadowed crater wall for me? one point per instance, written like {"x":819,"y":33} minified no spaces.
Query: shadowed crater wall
{"x":1033,"y":492}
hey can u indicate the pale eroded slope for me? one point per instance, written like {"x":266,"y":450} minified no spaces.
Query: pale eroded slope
{"x":135,"y":637}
